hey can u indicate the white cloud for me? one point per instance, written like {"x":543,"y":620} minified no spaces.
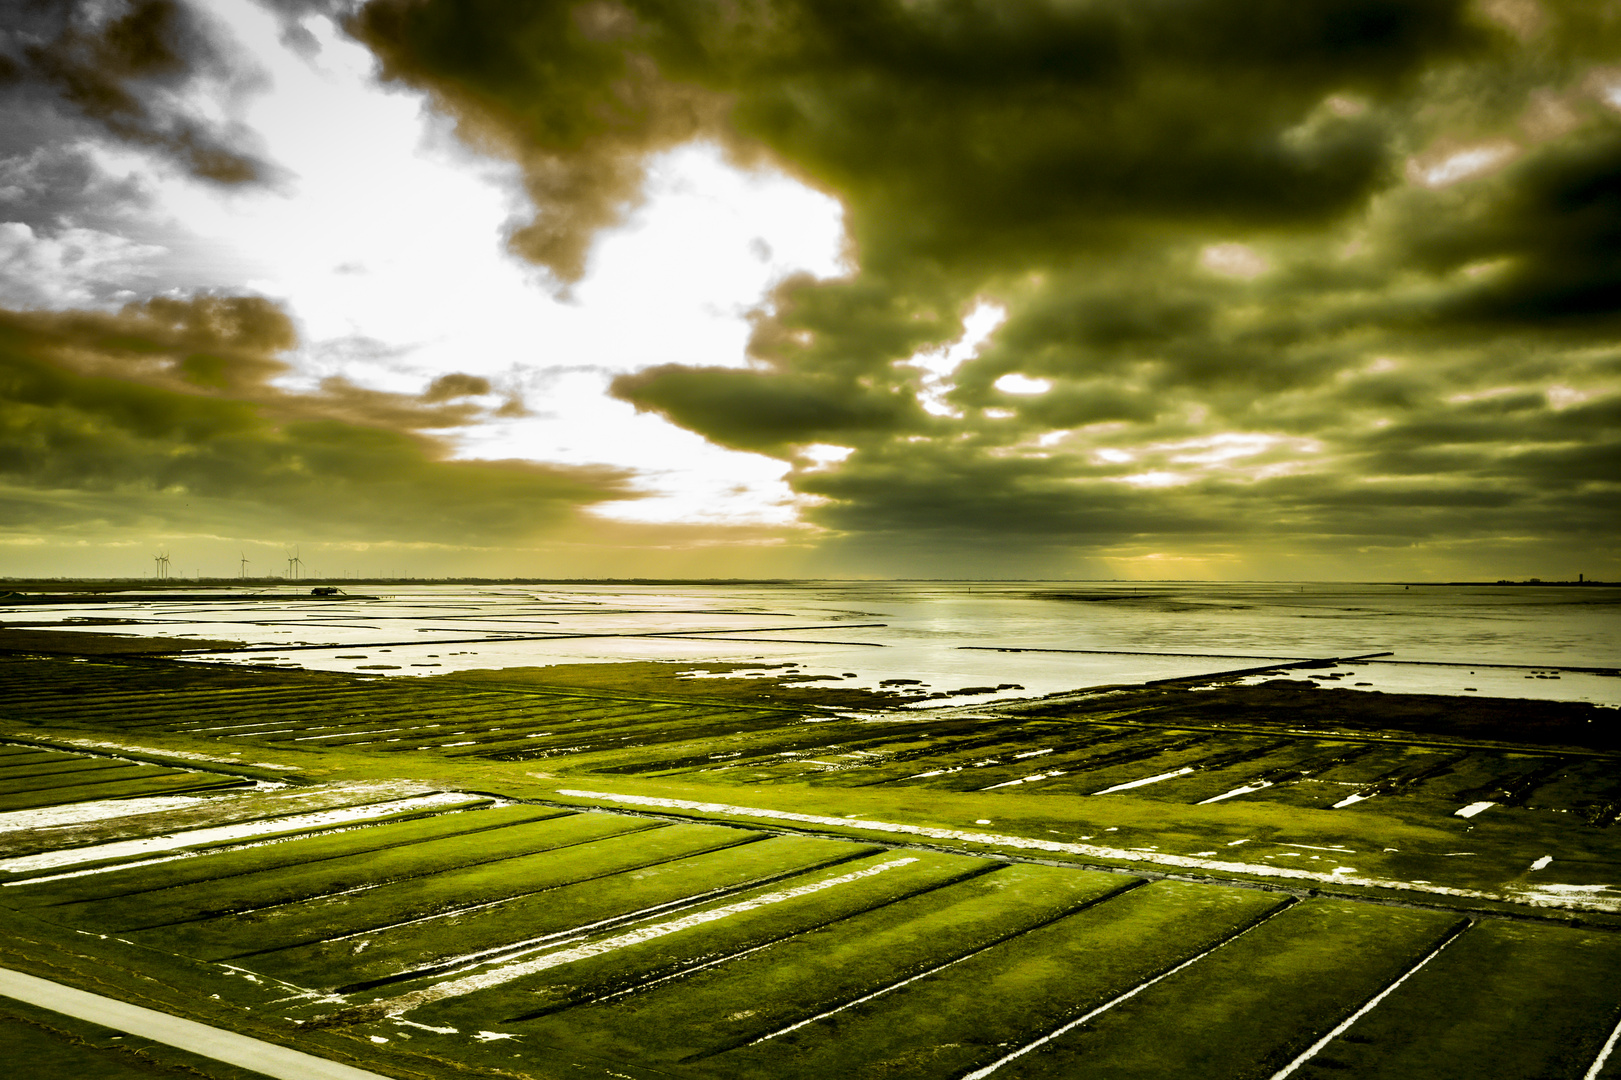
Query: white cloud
{"x":1233,"y":260}
{"x":1015,"y":383}
{"x":73,"y":267}
{"x":387,"y":231}
{"x":939,"y":366}
{"x":1445,"y":165}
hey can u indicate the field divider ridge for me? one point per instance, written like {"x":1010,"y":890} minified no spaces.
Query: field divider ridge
{"x":738,"y":954}
{"x":506,"y":973}
{"x":518,"y":948}
{"x":368,"y":886}
{"x":1191,"y":868}
{"x":217,"y":839}
{"x":1597,"y":1067}
{"x":1118,"y":999}
{"x":1124,"y":887}
{"x":324,"y":858}
{"x":1372,"y":1003}
{"x":452,"y":912}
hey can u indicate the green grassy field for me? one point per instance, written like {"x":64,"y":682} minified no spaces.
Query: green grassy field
{"x":390,"y":954}
{"x":1510,"y":1001}
{"x":1252,"y":1006}
{"x":644,"y":880}
{"x":50,"y":1046}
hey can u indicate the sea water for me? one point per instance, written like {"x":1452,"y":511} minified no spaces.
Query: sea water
{"x":990,"y":640}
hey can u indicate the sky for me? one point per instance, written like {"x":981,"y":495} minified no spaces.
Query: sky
{"x":1136,"y":289}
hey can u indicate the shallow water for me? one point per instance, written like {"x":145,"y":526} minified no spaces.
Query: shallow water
{"x":946,"y":635}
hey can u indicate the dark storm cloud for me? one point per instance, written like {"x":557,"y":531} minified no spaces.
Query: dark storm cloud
{"x":456,"y":385}
{"x":44,"y":183}
{"x":754,"y":410}
{"x":955,"y":491}
{"x":170,"y":403}
{"x":1298,"y":275}
{"x":1555,"y":221}
{"x":77,"y":78}
{"x":957,"y":130}
{"x":120,"y":66}
{"x":553,"y":86}
{"x":291,"y":13}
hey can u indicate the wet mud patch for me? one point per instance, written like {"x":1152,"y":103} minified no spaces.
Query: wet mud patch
{"x":37,"y":642}
{"x":736,"y":683}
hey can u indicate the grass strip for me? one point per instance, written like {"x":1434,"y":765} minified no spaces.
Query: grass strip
{"x":175,"y":783}
{"x":1509,"y":1000}
{"x":241,"y":806}
{"x":32,"y":757}
{"x":104,"y":858}
{"x":811,"y":973}
{"x":375,"y":959}
{"x":1250,"y":1008}
{"x":716,"y":933}
{"x":256,"y":892}
{"x":295,"y":852}
{"x":66,"y":765}
{"x":945,"y":755}
{"x":968,"y":1015}
{"x":257,"y":939}
{"x":116,"y":773}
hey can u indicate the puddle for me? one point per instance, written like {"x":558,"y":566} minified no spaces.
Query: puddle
{"x":101,"y":810}
{"x":219,"y":834}
{"x":1184,"y":771}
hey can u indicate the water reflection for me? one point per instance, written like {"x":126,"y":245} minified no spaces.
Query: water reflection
{"x":945,"y":635}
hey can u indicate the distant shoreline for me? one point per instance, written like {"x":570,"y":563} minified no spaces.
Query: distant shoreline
{"x":148,"y":585}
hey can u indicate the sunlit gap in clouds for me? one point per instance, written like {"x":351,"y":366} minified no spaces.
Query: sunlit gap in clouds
{"x":1446,"y":165}
{"x":1235,"y":455}
{"x":940,"y":365}
{"x":384,"y":239}
{"x":706,"y":247}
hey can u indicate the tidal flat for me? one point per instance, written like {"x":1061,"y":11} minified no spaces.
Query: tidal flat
{"x":625,"y":843}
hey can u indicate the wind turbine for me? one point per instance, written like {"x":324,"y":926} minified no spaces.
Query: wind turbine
{"x":294,"y":565}
{"x":161,"y":570}
{"x":243,"y":571}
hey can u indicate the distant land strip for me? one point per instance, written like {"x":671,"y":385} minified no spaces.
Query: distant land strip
{"x":1136,"y":652}
{"x":701,"y":634}
{"x":1327,"y":661}
{"x":1290,"y":660}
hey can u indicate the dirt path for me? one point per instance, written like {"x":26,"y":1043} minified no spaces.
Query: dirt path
{"x":210,"y":1042}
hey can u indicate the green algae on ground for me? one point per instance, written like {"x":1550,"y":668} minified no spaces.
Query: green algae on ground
{"x":755,"y":995}
{"x":391,"y":953}
{"x":297,"y":854}
{"x":767,"y":685}
{"x":660,"y":945}
{"x":1509,"y":1001}
{"x":718,"y":930}
{"x":965,"y":1016}
{"x":354,"y":913}
{"x":1253,"y":1005}
{"x":257,"y":897}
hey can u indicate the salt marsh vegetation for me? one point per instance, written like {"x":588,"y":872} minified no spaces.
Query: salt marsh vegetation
{"x":618,"y":870}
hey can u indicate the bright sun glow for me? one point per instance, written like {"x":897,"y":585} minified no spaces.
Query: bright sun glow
{"x":1443,"y":166}
{"x":384,"y":242}
{"x":1015,"y":383}
{"x":1233,"y":260}
{"x":939,"y":366}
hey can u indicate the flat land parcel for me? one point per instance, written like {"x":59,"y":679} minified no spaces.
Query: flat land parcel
{"x":608,"y":871}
